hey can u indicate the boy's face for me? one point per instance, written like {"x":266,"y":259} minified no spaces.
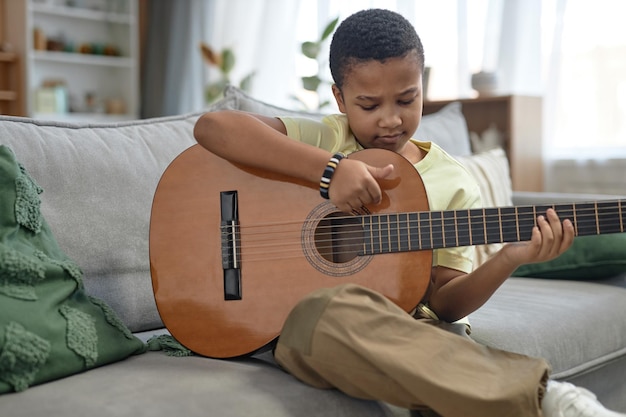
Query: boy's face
{"x":383,"y":101}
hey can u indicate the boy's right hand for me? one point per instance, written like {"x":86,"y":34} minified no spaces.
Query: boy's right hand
{"x":355,"y":184}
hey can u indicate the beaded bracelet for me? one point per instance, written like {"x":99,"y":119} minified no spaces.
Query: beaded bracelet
{"x":328,"y":174}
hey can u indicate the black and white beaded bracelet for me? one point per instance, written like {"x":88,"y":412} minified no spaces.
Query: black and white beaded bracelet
{"x":328,"y":173}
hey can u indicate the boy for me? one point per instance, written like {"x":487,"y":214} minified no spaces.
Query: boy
{"x":352,"y":338}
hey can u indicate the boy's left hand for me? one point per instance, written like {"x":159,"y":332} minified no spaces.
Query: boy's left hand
{"x":550,"y":238}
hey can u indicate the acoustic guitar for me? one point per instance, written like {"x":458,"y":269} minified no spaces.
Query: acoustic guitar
{"x":233,"y":248}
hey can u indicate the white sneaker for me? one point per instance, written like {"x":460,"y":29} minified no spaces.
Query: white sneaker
{"x":563,"y":399}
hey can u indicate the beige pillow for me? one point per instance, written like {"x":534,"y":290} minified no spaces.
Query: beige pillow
{"x":490,"y":169}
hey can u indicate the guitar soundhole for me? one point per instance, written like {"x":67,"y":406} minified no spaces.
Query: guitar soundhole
{"x":332,"y":242}
{"x":339,"y":238}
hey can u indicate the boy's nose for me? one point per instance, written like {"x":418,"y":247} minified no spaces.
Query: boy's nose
{"x":390,"y":119}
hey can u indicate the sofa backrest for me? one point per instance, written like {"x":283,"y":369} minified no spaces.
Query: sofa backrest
{"x":99,"y":181}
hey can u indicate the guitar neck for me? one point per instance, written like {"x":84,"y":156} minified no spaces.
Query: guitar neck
{"x":413,"y":231}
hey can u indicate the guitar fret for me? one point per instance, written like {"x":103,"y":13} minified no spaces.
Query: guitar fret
{"x":436,"y":228}
{"x":381,"y":238}
{"x":414,"y":231}
{"x":393,"y":234}
{"x":450,"y":230}
{"x":375,"y":234}
{"x":517,"y":224}
{"x":463,"y":229}
{"x":597,"y":218}
{"x":605,"y":214}
{"x":500,"y":224}
{"x":575,"y":220}
{"x":493,"y":234}
{"x":469,"y":227}
{"x":405,"y":232}
{"x":485,"y":226}
{"x":477,"y":225}
{"x":381,"y":234}
{"x":586,"y":219}
{"x":508,"y":224}
{"x":425,"y":230}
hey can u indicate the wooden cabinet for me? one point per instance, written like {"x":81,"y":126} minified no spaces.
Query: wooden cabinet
{"x":10,"y":97}
{"x":80,"y":58}
{"x":519,"y":120}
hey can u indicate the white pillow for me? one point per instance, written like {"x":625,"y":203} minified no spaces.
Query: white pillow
{"x":448,"y":129}
{"x":490,"y":169}
{"x":239,"y":100}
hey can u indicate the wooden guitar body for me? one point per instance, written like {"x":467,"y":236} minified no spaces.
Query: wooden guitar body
{"x":277,"y":245}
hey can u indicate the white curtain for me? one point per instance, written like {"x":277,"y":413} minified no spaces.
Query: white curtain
{"x":261,"y":33}
{"x":585,"y":97}
{"x":172,"y":70}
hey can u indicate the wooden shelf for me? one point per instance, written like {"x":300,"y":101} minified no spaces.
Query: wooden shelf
{"x":47,"y":35}
{"x":81,"y":13}
{"x":10,"y":99}
{"x":519,"y":120}
{"x":83,"y":59}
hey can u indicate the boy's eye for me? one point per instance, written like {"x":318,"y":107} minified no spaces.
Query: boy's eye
{"x":369,"y":108}
{"x":407,"y":102}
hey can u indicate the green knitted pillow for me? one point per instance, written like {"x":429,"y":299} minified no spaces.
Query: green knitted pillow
{"x":49,"y":327}
{"x":589,"y":257}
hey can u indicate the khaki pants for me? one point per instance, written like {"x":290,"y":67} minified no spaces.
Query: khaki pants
{"x":356,"y":340}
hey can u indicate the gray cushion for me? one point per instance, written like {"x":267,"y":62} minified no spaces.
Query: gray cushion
{"x":576,"y":326}
{"x":151,"y":385}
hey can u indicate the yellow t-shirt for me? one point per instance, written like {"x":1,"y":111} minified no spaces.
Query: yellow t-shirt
{"x":448,"y":184}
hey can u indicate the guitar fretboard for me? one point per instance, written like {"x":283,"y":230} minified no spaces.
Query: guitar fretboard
{"x":402,"y":232}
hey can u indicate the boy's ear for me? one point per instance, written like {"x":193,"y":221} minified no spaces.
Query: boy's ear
{"x":339,"y":98}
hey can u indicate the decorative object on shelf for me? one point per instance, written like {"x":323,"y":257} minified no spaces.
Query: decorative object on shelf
{"x":485,"y":83}
{"x":40,"y":40}
{"x":52,"y":97}
{"x":115,"y":105}
{"x":311,"y":50}
{"x":224,"y":61}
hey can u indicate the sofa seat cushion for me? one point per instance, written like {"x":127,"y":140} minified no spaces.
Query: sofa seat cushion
{"x":576,"y":326}
{"x":160,"y":385}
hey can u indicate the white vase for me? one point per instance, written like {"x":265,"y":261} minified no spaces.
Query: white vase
{"x":485,"y":83}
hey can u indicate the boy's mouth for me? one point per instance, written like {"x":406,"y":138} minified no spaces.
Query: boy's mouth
{"x":390,"y":139}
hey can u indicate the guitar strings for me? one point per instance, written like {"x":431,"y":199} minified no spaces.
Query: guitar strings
{"x":276,"y":240}
{"x":584,"y":216}
{"x":584,"y":220}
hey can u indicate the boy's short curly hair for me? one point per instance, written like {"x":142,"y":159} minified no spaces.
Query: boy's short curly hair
{"x":373,"y":34}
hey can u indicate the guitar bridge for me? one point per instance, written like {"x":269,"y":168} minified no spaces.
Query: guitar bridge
{"x":231,"y":258}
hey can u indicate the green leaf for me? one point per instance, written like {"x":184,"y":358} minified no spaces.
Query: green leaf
{"x":215,"y":90}
{"x":330,"y":28}
{"x":311,"y":49}
{"x":228,"y":60}
{"x":311,"y":83}
{"x":323,"y":104}
{"x":246,"y":83}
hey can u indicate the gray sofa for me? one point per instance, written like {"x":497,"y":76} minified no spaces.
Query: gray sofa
{"x":98,"y":183}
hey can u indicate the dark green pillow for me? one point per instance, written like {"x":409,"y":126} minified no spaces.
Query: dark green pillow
{"x":589,"y":257}
{"x":49,"y":327}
